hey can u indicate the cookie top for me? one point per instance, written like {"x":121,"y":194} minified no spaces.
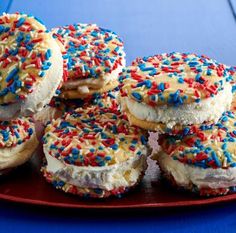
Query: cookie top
{"x":24,"y":55}
{"x":92,"y":50}
{"x":173,"y":79}
{"x":15,"y":132}
{"x":205,"y":146}
{"x":94,"y":137}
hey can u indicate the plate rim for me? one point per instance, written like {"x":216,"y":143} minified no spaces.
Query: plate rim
{"x":178,"y":204}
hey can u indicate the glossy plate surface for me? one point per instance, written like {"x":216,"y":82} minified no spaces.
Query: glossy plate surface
{"x":26,"y":185}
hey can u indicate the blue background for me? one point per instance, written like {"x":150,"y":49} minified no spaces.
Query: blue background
{"x":147,"y":27}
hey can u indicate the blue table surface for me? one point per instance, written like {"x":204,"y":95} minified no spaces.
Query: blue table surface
{"x":147,"y":27}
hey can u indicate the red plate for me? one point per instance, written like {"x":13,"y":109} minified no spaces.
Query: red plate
{"x":26,"y":185}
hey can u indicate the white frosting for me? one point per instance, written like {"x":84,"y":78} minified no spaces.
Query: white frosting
{"x":209,"y":109}
{"x":84,"y":85}
{"x":125,"y":174}
{"x":43,"y":92}
{"x":47,"y":114}
{"x":19,"y":154}
{"x":185,"y":175}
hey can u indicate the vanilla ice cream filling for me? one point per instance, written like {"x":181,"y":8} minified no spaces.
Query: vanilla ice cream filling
{"x":209,"y":109}
{"x":83,"y":86}
{"x":186,"y":175}
{"x":125,"y":174}
{"x":47,"y":114}
{"x":43,"y":92}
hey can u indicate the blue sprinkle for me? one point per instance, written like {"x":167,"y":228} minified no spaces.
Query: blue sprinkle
{"x":224,"y":118}
{"x":101,"y":163}
{"x":53,"y":147}
{"x":54,"y":183}
{"x":58,"y":92}
{"x":30,"y":131}
{"x":75,"y":151}
{"x":108,"y":158}
{"x":108,"y":38}
{"x":199,"y":79}
{"x":29,"y":47}
{"x":98,"y":191}
{"x":192,"y":64}
{"x":114,"y":129}
{"x":75,"y":156}
{"x":42,"y":73}
{"x":20,"y":22}
{"x":166,"y":62}
{"x":148,"y":83}
{"x":12,"y":74}
{"x":39,"y":20}
{"x":233,"y":165}
{"x":143,"y":68}
{"x":61,"y":183}
{"x":180,"y":80}
{"x":207,"y":150}
{"x":137,"y":96}
{"x":17,"y":134}
{"x":103,"y":135}
{"x":140,"y":84}
{"x":202,"y":165}
{"x":139,"y":152}
{"x":186,"y":131}
{"x":228,"y":156}
{"x":215,"y":158}
{"x":161,"y":86}
{"x":143,"y":140}
{"x":64,"y":124}
{"x":48,"y":54}
{"x":114,"y":147}
{"x":134,"y":141}
{"x":81,"y":48}
{"x":153,"y":97}
{"x":233,"y":88}
{"x":224,"y":146}
{"x":153,"y":72}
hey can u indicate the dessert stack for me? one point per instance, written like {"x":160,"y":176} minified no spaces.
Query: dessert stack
{"x":97,"y":113}
{"x":30,"y":72}
{"x":187,"y":99}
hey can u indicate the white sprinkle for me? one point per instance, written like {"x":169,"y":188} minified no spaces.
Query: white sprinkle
{"x":28,"y":79}
{"x":29,"y":66}
{"x":18,"y":90}
{"x":11,"y":68}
